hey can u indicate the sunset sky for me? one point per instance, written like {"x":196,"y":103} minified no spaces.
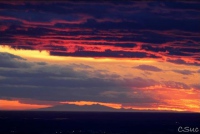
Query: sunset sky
{"x":100,"y":56}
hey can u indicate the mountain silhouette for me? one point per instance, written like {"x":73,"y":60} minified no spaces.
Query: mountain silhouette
{"x":72,"y":107}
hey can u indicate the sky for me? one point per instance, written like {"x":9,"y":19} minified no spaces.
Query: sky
{"x":100,"y":56}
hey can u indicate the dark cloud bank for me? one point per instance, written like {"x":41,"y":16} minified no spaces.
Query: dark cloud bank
{"x":105,"y":29}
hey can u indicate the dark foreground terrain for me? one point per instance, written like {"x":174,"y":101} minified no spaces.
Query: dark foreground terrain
{"x":22,"y":122}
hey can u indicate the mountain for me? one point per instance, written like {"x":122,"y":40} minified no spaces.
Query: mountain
{"x":91,"y":108}
{"x":72,"y":107}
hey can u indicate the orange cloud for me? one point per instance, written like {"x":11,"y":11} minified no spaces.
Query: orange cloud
{"x":16,"y":105}
{"x":82,"y":103}
{"x":183,"y":105}
{"x":173,"y":98}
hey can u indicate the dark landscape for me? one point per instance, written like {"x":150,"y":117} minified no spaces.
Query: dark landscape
{"x":33,"y":122}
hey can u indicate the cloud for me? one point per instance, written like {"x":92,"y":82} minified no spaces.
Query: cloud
{"x":82,"y":66}
{"x":76,"y":82}
{"x":138,"y":82}
{"x":184,"y":72}
{"x":127,"y":29}
{"x":73,"y":82}
{"x":106,"y":53}
{"x":181,"y":61}
{"x":69,"y":86}
{"x":12,"y":61}
{"x":176,"y":85}
{"x":148,"y":68}
{"x":196,"y":86}
{"x":123,"y":30}
{"x":8,"y":56}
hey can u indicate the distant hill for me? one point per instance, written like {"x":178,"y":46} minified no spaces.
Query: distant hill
{"x":92,"y":108}
{"x":72,"y":107}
